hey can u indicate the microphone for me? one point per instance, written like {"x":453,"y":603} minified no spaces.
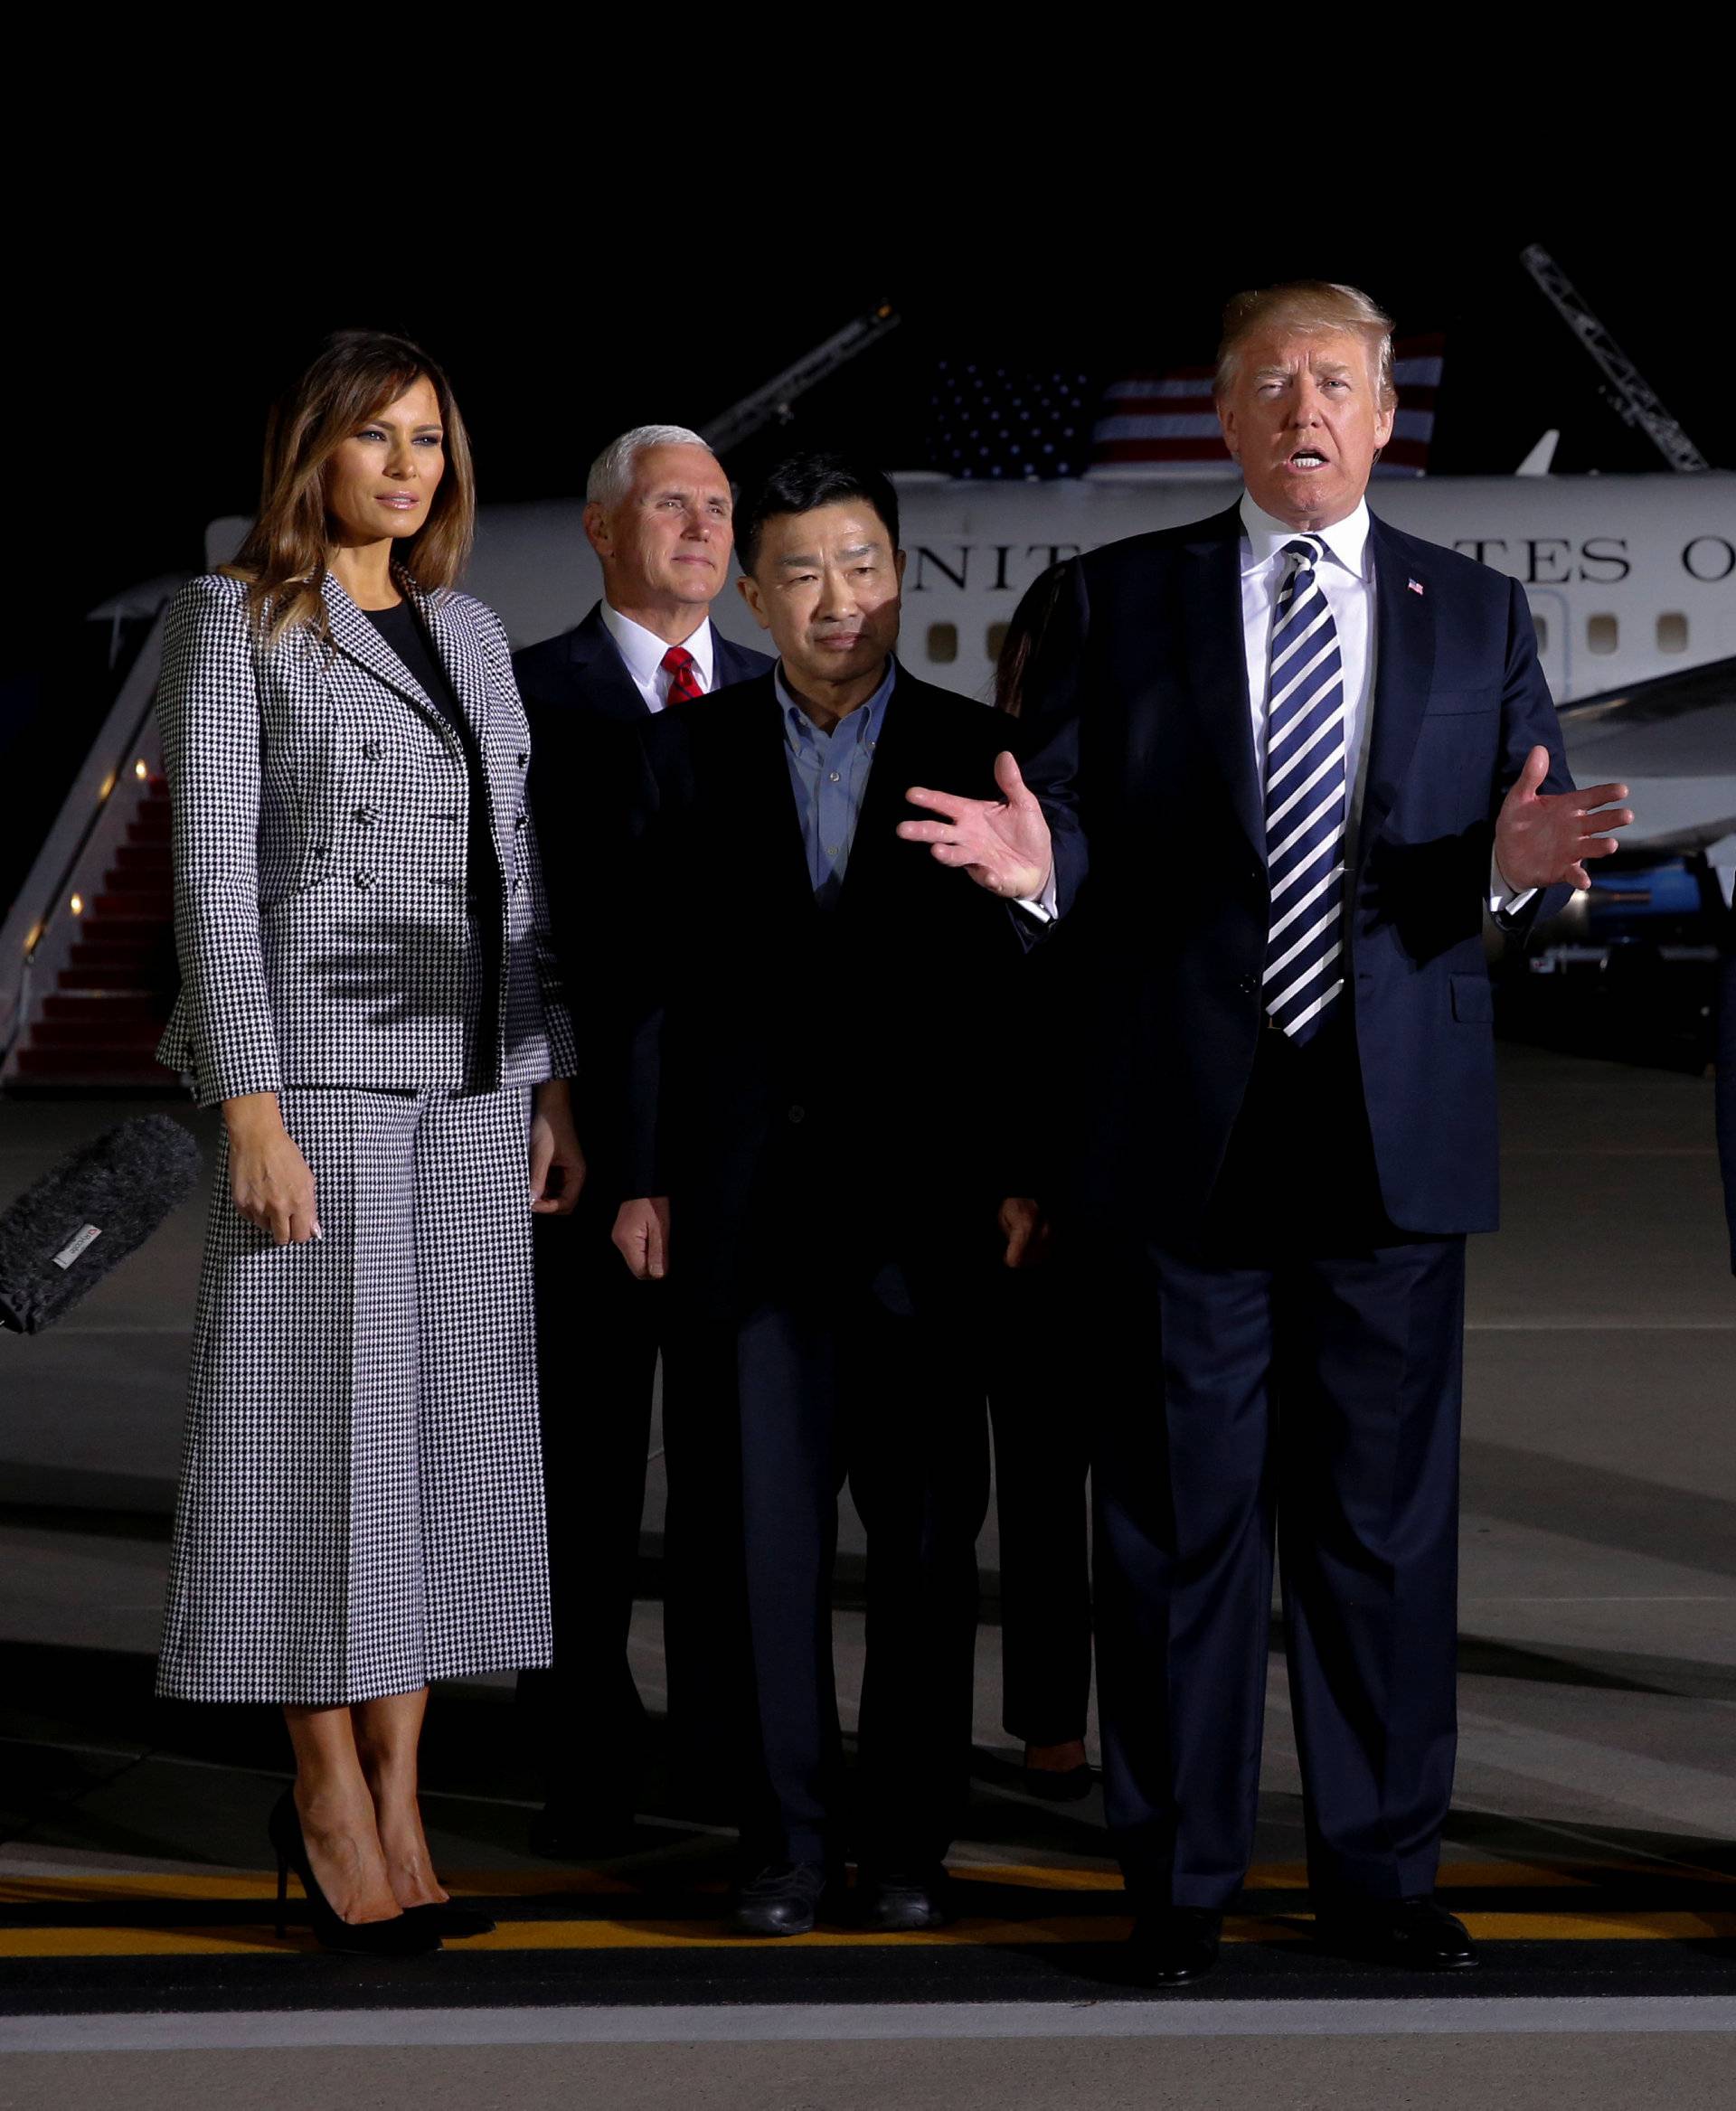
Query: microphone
{"x":84,"y":1217}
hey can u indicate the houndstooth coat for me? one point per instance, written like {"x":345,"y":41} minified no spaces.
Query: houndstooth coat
{"x":319,"y":855}
{"x":361,"y":1496}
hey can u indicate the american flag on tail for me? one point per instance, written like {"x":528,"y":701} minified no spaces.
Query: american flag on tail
{"x":1162,"y":423}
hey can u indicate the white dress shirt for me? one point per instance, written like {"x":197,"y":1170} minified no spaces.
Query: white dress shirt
{"x":643,"y":651}
{"x":1346,"y":581}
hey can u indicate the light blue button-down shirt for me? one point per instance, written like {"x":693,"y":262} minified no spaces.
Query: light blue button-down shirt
{"x":829,"y":773}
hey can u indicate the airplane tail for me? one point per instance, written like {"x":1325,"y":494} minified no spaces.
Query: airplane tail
{"x":1163,"y":424}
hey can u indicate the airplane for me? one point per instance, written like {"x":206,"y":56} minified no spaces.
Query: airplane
{"x":1631,"y":582}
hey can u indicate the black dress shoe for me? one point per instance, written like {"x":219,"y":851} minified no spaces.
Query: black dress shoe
{"x":783,"y":1898}
{"x":450,"y":1920}
{"x":1415,"y":1932}
{"x":1173,"y":1945}
{"x":901,"y":1901}
{"x":1073,"y":1787}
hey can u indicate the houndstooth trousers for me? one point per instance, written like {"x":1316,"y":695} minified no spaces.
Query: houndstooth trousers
{"x":360,"y":1506}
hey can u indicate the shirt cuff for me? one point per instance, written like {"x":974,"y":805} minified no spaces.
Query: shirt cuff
{"x":1042,"y":905}
{"x":1504,"y":901}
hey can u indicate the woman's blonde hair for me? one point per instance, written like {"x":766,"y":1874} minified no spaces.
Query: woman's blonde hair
{"x":1308,"y":305}
{"x":356,"y":374}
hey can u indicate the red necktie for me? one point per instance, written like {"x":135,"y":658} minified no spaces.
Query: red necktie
{"x":684,"y":683}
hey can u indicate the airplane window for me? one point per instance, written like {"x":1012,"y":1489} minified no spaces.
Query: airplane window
{"x":1672,"y":633}
{"x":1540,"y":624}
{"x":997,"y":638}
{"x":1601,"y":634}
{"x":943,"y":643}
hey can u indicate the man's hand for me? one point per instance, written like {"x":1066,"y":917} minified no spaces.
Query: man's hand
{"x":557,"y":1164}
{"x":641,"y":1235}
{"x":269,"y":1179}
{"x":1027,"y":1232}
{"x":1002,"y":843}
{"x":1542,"y":839}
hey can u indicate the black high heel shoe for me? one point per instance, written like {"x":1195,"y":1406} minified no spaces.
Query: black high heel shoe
{"x":447,"y":1918}
{"x":403,"y":1937}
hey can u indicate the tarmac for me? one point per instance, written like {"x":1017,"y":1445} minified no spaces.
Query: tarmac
{"x":1591,"y":1846}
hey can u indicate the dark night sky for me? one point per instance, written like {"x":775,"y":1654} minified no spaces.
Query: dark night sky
{"x":154,"y":329}
{"x":185,"y":354}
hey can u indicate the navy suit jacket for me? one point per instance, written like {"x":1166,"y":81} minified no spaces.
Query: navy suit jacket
{"x":586,"y":712}
{"x":582,"y":670}
{"x":1138,"y":742}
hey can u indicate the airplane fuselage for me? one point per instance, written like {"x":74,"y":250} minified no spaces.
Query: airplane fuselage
{"x":1628,"y":576}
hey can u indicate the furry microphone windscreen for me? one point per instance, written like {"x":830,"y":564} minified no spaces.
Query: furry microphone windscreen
{"x":102,"y":1203}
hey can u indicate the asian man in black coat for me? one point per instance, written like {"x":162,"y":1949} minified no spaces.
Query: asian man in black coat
{"x":816,"y":1165}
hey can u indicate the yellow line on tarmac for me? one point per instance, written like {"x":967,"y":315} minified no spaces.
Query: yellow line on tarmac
{"x":231,"y":1940}
{"x":97,"y":1885}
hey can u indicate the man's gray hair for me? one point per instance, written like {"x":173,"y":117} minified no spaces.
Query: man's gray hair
{"x":611,"y":474}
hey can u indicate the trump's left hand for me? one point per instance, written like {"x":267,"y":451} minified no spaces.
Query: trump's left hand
{"x":1001,"y":843}
{"x":1542,"y":839}
{"x":1027,"y":1232}
{"x":557,"y":1164}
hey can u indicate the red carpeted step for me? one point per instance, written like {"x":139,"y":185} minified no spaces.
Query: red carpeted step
{"x":95,"y":1033}
{"x":118,"y":1004}
{"x":114,"y":1066}
{"x":128,"y":907}
{"x":155,"y":858}
{"x":126,"y":879}
{"x":117,"y":945}
{"x":121,"y":977}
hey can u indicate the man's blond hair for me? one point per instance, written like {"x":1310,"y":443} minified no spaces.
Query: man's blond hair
{"x":1309,"y":307}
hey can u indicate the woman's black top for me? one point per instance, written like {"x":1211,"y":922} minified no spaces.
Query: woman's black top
{"x":405,"y":633}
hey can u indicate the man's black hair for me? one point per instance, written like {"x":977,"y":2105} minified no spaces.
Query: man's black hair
{"x":800,"y":483}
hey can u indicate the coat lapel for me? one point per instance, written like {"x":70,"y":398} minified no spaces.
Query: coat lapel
{"x":356,"y":638}
{"x":463,"y":662}
{"x":767,"y":803}
{"x":1404,"y":666}
{"x":874,"y":850}
{"x":1217,"y":666}
{"x":596,"y":660}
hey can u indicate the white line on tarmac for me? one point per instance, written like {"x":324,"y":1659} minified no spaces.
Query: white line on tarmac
{"x":1571,"y":1326}
{"x":1163,"y":2017}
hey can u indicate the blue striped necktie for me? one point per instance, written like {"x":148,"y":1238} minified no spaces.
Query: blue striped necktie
{"x":1306,"y":779}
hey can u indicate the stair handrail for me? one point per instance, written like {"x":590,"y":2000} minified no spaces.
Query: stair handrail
{"x":45,"y":888}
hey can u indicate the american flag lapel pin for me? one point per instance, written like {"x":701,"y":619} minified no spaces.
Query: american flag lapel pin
{"x":1415,"y":585}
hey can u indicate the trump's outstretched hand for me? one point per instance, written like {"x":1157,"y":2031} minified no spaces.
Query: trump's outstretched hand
{"x":1002,"y":843}
{"x":1542,"y":839}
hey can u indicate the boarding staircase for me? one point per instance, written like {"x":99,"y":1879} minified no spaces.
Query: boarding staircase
{"x":87,"y":953}
{"x":99,"y":1021}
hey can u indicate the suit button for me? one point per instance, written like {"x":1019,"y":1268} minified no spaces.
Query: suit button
{"x":523,"y":759}
{"x":1257,"y":873}
{"x":367,"y":815}
{"x":798,"y":1114}
{"x":1247,"y":984}
{"x":516,"y":885}
{"x":520,"y":818}
{"x":365,"y":880}
{"x":373,"y":750}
